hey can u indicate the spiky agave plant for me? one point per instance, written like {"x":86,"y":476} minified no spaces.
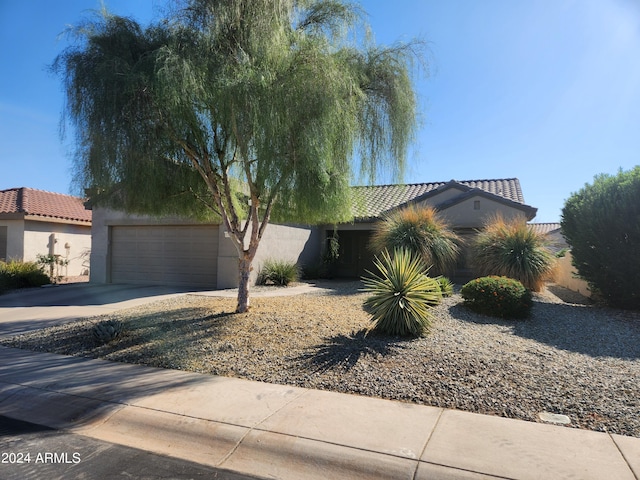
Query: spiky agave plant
{"x":422,"y":231}
{"x":106,"y":331}
{"x":402,"y":294}
{"x":512,"y":249}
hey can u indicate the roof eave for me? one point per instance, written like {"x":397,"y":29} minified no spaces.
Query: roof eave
{"x":67,"y":221}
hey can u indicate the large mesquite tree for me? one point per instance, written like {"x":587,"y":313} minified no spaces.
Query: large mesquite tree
{"x":249,"y":110}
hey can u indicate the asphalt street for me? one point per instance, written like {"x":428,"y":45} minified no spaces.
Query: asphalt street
{"x":34,"y":452}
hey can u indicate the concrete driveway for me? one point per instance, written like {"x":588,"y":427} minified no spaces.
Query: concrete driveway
{"x":35,"y":308}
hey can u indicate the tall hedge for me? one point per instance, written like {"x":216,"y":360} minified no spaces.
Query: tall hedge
{"x":601,"y":223}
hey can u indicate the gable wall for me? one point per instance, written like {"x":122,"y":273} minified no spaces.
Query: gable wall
{"x":464,"y":214}
{"x":443,"y":196}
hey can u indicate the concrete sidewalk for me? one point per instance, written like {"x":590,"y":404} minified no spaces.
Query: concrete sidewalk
{"x":275,"y":431}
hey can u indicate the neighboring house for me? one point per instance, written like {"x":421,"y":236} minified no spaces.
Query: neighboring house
{"x":566,"y":274}
{"x":465,"y":205}
{"x":556,"y":242}
{"x":35,"y":222}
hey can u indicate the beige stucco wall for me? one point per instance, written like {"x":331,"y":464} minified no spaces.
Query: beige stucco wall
{"x":566,"y":276}
{"x":299,"y":244}
{"x":26,"y":239}
{"x":464,"y":215}
{"x":443,"y":196}
{"x":15,"y":236}
{"x":71,"y":242}
{"x":279,"y":242}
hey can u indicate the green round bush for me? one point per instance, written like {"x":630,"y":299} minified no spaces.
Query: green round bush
{"x":601,"y":224}
{"x":498,"y":297}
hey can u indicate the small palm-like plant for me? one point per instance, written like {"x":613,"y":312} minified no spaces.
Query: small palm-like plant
{"x":401,"y":295}
{"x":512,"y":249}
{"x":421,"y":231}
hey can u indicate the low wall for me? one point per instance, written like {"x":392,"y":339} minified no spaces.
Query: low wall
{"x":566,"y":276}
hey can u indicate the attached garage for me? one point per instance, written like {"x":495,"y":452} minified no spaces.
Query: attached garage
{"x":183,"y":255}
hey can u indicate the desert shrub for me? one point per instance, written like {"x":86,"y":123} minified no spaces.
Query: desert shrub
{"x":498,"y":297}
{"x":52,"y":266}
{"x":601,"y":223}
{"x":401,"y":295}
{"x":16,"y":274}
{"x":446,"y":285}
{"x":421,"y":231}
{"x":278,"y":272}
{"x":512,"y":249}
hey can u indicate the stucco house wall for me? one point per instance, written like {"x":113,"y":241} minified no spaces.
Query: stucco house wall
{"x":70,"y":242}
{"x":469,"y":214}
{"x":281,"y":242}
{"x":298,"y":244}
{"x":566,"y":276}
{"x":14,"y":239}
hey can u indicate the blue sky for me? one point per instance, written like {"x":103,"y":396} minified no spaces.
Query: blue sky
{"x":547,"y":91}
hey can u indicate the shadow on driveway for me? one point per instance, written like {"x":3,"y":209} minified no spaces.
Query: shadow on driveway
{"x":85,"y":294}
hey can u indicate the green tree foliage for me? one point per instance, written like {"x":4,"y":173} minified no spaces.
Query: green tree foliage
{"x":242,"y":110}
{"x":601,"y":223}
{"x":421,"y":231}
{"x":512,"y":249}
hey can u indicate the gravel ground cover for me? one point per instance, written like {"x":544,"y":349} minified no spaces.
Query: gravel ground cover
{"x":570,"y":358}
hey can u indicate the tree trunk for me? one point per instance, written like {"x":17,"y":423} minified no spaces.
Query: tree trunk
{"x":244,"y":270}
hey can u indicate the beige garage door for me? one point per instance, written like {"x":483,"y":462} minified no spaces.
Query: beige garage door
{"x":165,"y":255}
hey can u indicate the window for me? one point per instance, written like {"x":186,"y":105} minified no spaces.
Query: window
{"x":476,"y":204}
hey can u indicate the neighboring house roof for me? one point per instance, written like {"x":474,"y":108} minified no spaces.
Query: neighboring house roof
{"x":37,"y":204}
{"x":373,"y":201}
{"x":544,"y":228}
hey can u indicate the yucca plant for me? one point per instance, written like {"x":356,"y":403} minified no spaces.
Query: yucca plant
{"x":401,"y":295}
{"x":446,"y":286}
{"x":512,"y":249}
{"x":420,"y":230}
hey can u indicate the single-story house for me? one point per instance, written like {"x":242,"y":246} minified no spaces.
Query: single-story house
{"x":140,"y":249}
{"x":465,"y":205}
{"x":35,"y":222}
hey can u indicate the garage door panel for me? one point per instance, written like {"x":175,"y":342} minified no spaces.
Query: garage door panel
{"x":171,"y":255}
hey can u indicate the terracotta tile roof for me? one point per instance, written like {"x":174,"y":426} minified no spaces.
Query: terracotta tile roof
{"x":544,"y":228}
{"x":372,"y":201}
{"x":29,"y":201}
